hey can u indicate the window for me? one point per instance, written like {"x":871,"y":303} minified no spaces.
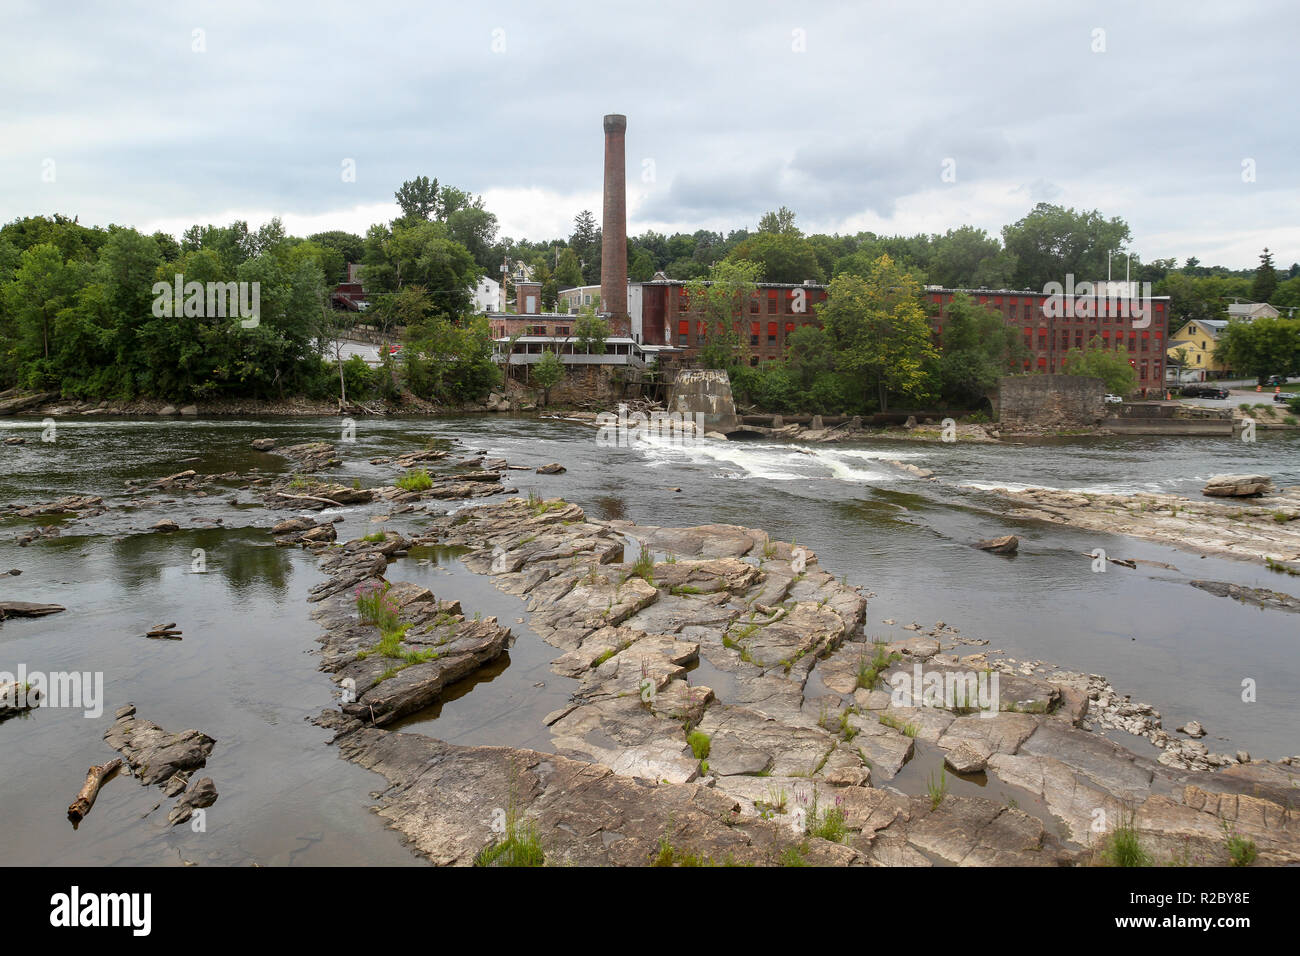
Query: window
{"x":753,"y":304}
{"x":771,"y":302}
{"x":771,"y":333}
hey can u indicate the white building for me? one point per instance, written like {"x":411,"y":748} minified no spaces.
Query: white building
{"x":487,"y":295}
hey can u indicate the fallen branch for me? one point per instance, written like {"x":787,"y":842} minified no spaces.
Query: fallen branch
{"x":95,"y":778}
{"x":165,"y":630}
{"x":327,"y":501}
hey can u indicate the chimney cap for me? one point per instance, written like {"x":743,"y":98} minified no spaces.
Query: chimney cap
{"x":615,"y":123}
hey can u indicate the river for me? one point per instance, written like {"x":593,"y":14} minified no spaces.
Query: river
{"x":245,"y":673}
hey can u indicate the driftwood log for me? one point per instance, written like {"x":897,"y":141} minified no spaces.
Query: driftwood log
{"x":327,"y":501}
{"x":165,"y":630}
{"x":95,"y":778}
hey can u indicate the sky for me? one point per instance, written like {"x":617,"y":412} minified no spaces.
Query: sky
{"x":894,"y":117}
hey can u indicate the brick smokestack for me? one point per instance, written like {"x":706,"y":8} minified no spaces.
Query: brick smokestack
{"x":613,"y":241}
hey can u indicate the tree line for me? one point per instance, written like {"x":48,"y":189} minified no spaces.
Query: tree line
{"x":76,"y":302}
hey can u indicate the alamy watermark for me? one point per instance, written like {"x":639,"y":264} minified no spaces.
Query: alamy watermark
{"x":1086,"y":300}
{"x":215,"y":300}
{"x":951,"y":690}
{"x":75,"y":689}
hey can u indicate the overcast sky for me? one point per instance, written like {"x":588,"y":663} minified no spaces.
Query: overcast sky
{"x":848,"y":113}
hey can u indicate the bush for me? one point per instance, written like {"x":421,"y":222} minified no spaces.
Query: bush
{"x":415,"y":480}
{"x":359,"y":378}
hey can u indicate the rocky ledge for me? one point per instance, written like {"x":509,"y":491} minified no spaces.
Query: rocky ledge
{"x":1263,"y":529}
{"x":730,"y":708}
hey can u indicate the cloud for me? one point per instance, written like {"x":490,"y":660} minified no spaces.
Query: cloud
{"x":844,"y":112}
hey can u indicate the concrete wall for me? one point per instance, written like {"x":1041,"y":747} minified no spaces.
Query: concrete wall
{"x":1050,"y":401}
{"x":707,"y":391}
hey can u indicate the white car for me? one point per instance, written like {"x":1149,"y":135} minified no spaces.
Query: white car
{"x":1113,"y":400}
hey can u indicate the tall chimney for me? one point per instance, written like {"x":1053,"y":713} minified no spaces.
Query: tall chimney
{"x":613,"y":235}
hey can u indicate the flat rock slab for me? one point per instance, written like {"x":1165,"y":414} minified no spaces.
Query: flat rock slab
{"x":154,"y":754}
{"x":443,"y":798}
{"x":27,"y":609}
{"x":1238,"y":486}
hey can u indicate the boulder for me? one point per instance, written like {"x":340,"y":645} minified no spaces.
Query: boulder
{"x":263,"y":444}
{"x":167,"y":410}
{"x":554,"y":468}
{"x":190,"y":411}
{"x":1237,"y":486}
{"x":166,"y":524}
{"x":1007,"y":544}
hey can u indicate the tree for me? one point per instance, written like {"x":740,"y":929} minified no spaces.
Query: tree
{"x":1052,"y":242}
{"x":1266,"y":346}
{"x":547,"y":373}
{"x":978,"y":348}
{"x":590,"y":332}
{"x":1111,"y":366}
{"x":969,"y":258}
{"x":809,"y":353}
{"x":780,"y":222}
{"x":418,"y":198}
{"x":785,"y":257}
{"x":1261,"y":290}
{"x":585,"y":241}
{"x":718,"y":301}
{"x":568,"y":273}
{"x":879,"y":331}
{"x":1180,"y":356}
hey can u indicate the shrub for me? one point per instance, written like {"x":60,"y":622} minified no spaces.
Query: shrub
{"x":415,"y":480}
{"x":700,"y":743}
{"x":375,"y":607}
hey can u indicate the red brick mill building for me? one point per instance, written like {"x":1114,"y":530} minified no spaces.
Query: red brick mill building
{"x":660,"y":314}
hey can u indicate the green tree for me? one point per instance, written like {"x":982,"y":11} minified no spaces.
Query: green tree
{"x":585,"y":242}
{"x":1052,"y":242}
{"x":785,"y":257}
{"x":880,"y":332}
{"x":978,"y":348}
{"x":1261,"y":290}
{"x":547,"y":373}
{"x":1266,"y":346}
{"x":418,"y":198}
{"x":780,"y":222}
{"x":1111,"y":366}
{"x":590,"y":332}
{"x":719,"y":301}
{"x":809,"y":353}
{"x":568,"y":274}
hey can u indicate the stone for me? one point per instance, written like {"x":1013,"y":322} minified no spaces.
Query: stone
{"x":555,"y":468}
{"x":263,"y":444}
{"x":167,"y":410}
{"x":1237,"y":486}
{"x":190,"y":411}
{"x":165,"y":524}
{"x":203,"y":793}
{"x":1007,"y":544}
{"x":1192,"y":728}
{"x":154,"y":754}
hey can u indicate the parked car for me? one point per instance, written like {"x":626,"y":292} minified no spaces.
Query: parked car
{"x":1113,"y":399}
{"x":1202,"y":390}
{"x":1282,"y":397}
{"x":1276,"y":380}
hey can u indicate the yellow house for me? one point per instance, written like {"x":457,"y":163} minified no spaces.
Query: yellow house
{"x":1199,"y":338}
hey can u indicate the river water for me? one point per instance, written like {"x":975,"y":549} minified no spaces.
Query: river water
{"x":245,"y":673}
